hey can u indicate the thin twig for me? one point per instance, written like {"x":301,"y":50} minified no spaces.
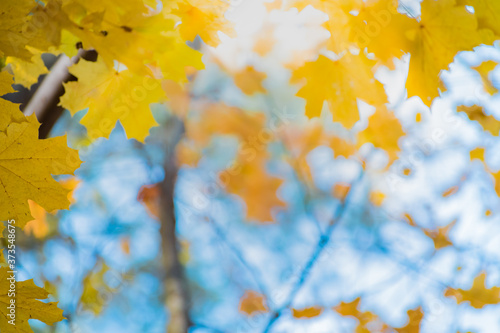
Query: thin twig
{"x":323,"y":241}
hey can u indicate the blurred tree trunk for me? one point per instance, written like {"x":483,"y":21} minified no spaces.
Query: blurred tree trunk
{"x":176,"y":288}
{"x":43,"y":101}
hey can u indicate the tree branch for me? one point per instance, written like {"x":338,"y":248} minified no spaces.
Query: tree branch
{"x":320,"y":247}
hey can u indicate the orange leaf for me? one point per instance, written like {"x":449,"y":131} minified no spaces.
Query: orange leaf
{"x":309,"y":312}
{"x":149,"y":196}
{"x":252,"y":302}
{"x":450,"y":191}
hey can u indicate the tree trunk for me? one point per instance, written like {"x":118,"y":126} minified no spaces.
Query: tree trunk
{"x":176,"y":289}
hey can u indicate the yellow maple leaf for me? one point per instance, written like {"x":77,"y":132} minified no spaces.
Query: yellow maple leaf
{"x":252,"y":302}
{"x":26,"y":73}
{"x":444,"y":30}
{"x":487,"y":13}
{"x":340,"y":83}
{"x":484,"y":71}
{"x":476,"y":113}
{"x":27,"y":305}
{"x":339,"y":23}
{"x":204,"y":18}
{"x":130,"y":33}
{"x":17,"y":29}
{"x":110,"y":96}
{"x":375,"y":25}
{"x":26,"y":166}
{"x":307,"y":313}
{"x":478,"y":295}
{"x":250,"y":80}
{"x":39,"y":226}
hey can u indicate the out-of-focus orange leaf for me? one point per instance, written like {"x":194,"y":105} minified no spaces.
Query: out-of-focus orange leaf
{"x":409,"y":219}
{"x":178,"y":97}
{"x":252,"y":302}
{"x":487,"y":122}
{"x":256,"y":187}
{"x":265,"y":41}
{"x":477,"y":153}
{"x":307,"y":313}
{"x":440,"y":236}
{"x":478,"y":295}
{"x":125,"y":245}
{"x":149,"y":196}
{"x":273,"y":5}
{"x":484,"y":70}
{"x":250,"y":80}
{"x":187,"y":154}
{"x":301,"y":141}
{"x":377,"y":198}
{"x":414,"y":319}
{"x":340,"y":190}
{"x":37,"y":227}
{"x":384,"y":131}
{"x":418,"y":117}
{"x":452,"y":190}
{"x":365,"y":319}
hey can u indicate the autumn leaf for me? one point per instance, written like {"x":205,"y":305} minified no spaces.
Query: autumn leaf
{"x":341,"y":190}
{"x":484,"y":71}
{"x":476,"y":113}
{"x":256,"y":187}
{"x":252,"y":302}
{"x":487,"y":14}
{"x":149,"y":196}
{"x":478,"y":295}
{"x":26,"y":166}
{"x":203,"y":18}
{"x":414,"y":320}
{"x":250,"y":80}
{"x":25,"y":72}
{"x":112,"y":96}
{"x":440,"y":236}
{"x":377,"y":198}
{"x":38,"y":227}
{"x":339,"y":23}
{"x":443,"y":29}
{"x":17,"y":30}
{"x":384,"y":131}
{"x":94,"y":286}
{"x":27,"y":305}
{"x":10,"y":111}
{"x":307,"y":313}
{"x":365,"y":319}
{"x":340,"y":83}
{"x":300,"y":141}
{"x":477,"y":153}
{"x":449,"y":192}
